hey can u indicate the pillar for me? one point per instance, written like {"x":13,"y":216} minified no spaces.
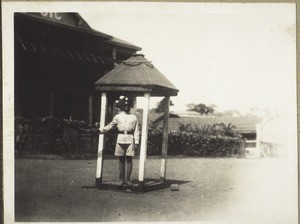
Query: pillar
{"x":143,"y":147}
{"x":90,"y":108}
{"x":134,"y":104}
{"x":164,"y":148}
{"x":101,"y":141}
{"x":51,"y":99}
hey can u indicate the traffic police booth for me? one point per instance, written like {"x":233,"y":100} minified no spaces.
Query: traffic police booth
{"x":135,"y":77}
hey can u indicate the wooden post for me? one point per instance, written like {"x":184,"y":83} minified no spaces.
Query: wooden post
{"x":51,"y":103}
{"x":90,"y":108}
{"x":50,"y":136}
{"x":101,"y":141}
{"x":258,"y":140}
{"x":143,"y":149}
{"x":164,"y":148}
{"x":242,"y":149}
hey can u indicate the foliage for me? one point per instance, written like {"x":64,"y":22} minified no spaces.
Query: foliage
{"x":194,"y":144}
{"x":200,"y":108}
{"x":161,"y":105}
{"x":218,"y":129}
{"x":161,"y":118}
{"x":153,"y":125}
{"x":49,"y":135}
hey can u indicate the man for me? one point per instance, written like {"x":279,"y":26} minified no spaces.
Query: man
{"x":128,"y":137}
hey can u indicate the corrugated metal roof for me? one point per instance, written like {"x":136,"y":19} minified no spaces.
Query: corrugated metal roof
{"x":50,"y":50}
{"x":81,"y":26}
{"x":136,"y":73}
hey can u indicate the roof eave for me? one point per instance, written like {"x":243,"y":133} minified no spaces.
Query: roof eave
{"x":124,"y":45}
{"x":79,"y":29}
{"x":153,"y":90}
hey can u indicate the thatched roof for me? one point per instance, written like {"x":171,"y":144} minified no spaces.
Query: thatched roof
{"x":138,"y":75}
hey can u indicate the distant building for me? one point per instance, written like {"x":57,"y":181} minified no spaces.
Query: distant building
{"x":58,"y":58}
{"x":244,"y":125}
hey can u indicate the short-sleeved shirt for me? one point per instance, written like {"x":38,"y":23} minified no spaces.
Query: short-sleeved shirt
{"x":124,"y":122}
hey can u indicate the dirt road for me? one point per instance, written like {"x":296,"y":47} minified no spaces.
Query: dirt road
{"x":238,"y":190}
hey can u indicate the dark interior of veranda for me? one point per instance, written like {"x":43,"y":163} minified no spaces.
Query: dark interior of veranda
{"x":58,"y":58}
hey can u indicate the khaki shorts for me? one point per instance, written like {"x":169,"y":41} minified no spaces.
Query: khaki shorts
{"x":124,"y":149}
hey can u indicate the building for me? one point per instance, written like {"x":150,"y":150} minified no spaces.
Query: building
{"x":58,"y":58}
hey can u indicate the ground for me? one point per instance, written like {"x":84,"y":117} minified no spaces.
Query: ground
{"x":215,"y":189}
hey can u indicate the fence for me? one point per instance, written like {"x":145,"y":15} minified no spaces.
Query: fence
{"x":53,"y":136}
{"x":49,"y":135}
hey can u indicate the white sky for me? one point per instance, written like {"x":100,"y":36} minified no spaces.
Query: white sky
{"x":237,"y":56}
{"x":233,"y":55}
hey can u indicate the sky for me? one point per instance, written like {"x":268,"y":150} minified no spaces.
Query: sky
{"x":235,"y":56}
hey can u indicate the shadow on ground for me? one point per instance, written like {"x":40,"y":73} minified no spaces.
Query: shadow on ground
{"x":135,"y":187}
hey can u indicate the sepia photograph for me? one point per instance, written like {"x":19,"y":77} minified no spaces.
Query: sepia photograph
{"x":149,"y":112}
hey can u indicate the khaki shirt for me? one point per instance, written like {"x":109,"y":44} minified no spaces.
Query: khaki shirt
{"x":124,"y":122}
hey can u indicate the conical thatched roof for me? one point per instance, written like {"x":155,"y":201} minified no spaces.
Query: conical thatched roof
{"x":138,"y":75}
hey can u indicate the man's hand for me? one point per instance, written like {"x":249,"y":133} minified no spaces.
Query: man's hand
{"x":101,"y":131}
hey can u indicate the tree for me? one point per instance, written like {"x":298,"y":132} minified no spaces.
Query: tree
{"x":190,"y":106}
{"x":200,"y":108}
{"x":232,"y":113}
{"x":161,"y":106}
{"x":222,"y":130}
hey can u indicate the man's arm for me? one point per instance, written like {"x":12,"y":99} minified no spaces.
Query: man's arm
{"x":112,"y":125}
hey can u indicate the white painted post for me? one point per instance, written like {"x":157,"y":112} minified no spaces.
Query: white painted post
{"x":143,"y":149}
{"x":101,"y":141}
{"x":134,"y":105}
{"x":164,"y":148}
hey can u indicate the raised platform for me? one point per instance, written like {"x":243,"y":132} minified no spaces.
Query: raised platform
{"x":135,"y":187}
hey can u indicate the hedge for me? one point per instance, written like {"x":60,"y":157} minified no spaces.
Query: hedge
{"x":193,"y":144}
{"x":54,"y":136}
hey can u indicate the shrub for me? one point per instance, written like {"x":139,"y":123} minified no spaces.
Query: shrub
{"x":218,"y":129}
{"x":53,"y":136}
{"x":193,"y":144}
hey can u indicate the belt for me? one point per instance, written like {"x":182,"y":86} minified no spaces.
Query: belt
{"x":126,"y":132}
